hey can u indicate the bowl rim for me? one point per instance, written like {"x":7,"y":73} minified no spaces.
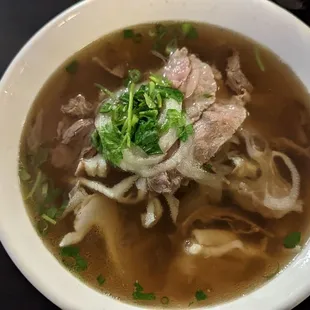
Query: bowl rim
{"x":291,"y":300}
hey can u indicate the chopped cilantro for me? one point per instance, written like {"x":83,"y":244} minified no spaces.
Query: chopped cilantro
{"x":200,"y":295}
{"x":72,"y":258}
{"x":128,"y":33}
{"x":48,"y":219}
{"x":189,"y":31}
{"x":134,"y":75}
{"x":72,"y":67}
{"x":138,"y":293}
{"x":292,"y":240}
{"x":165,"y":300}
{"x":100,"y":280}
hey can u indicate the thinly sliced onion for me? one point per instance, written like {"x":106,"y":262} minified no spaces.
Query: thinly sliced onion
{"x":170,"y":163}
{"x":135,"y":158}
{"x":288,"y":202}
{"x":116,"y":192}
{"x":154,"y":211}
{"x":173,"y":204}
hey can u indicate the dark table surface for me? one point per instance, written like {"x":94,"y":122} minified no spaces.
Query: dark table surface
{"x":19,"y":20}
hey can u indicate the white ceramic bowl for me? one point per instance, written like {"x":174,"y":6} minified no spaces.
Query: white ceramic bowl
{"x":68,"y":33}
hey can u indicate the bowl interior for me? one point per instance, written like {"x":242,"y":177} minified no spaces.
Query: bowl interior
{"x":68,"y":33}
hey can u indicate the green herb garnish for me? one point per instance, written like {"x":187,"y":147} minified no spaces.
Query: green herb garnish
{"x":73,"y":253}
{"x":48,"y":219}
{"x":177,"y":120}
{"x":132,"y":118}
{"x":292,"y":240}
{"x":134,"y":75}
{"x":37,"y":182}
{"x":100,"y":280}
{"x":105,"y":90}
{"x":138,"y":293}
{"x":147,"y":137}
{"x":131,"y":34}
{"x":72,"y":67}
{"x":165,"y":300}
{"x":171,"y":46}
{"x":200,"y":295}
{"x":259,"y":59}
{"x":128,"y":33}
{"x":189,"y":31}
{"x":42,"y":227}
{"x":207,"y":167}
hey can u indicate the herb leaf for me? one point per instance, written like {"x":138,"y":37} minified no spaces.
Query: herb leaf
{"x":80,"y":264}
{"x":147,"y":137}
{"x":200,"y":295}
{"x":72,"y":67}
{"x":292,"y":240}
{"x":128,"y":33}
{"x":189,"y":31}
{"x":112,"y":143}
{"x":138,"y":293}
{"x":100,"y":280}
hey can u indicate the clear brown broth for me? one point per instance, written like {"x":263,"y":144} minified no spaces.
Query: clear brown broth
{"x":277,"y":96}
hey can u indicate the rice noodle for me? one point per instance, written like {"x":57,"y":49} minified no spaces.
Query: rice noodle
{"x":154,"y":211}
{"x":173,"y":204}
{"x":95,"y":166}
{"x":116,"y":192}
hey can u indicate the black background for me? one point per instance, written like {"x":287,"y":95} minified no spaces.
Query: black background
{"x":19,"y":20}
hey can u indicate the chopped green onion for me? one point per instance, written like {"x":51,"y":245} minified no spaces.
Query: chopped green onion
{"x":164,"y":300}
{"x":48,"y":219}
{"x":42,"y":227}
{"x":134,"y":75}
{"x":189,"y":31}
{"x":149,"y":102}
{"x":44,"y":190}
{"x":128,"y":33}
{"x":100,"y":280}
{"x":37,"y":182}
{"x":200,"y":295}
{"x":161,"y":30}
{"x":72,"y":67}
{"x":273,"y":274}
{"x":259,"y":59}
{"x":292,"y":240}
{"x":105,"y":90}
{"x":191,"y":303}
{"x":80,"y":264}
{"x":69,"y":251}
{"x":51,"y":212}
{"x":138,"y":293}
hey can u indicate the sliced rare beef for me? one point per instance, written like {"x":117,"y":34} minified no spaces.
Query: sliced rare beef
{"x":195,"y":79}
{"x":236,"y":79}
{"x":78,"y":130}
{"x":216,"y":126}
{"x":166,"y":182}
{"x":78,"y":107}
